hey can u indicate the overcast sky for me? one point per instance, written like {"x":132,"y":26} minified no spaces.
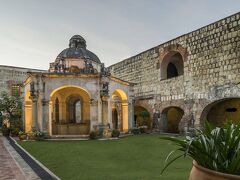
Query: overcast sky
{"x":33,"y":33}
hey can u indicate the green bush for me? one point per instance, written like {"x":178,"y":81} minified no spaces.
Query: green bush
{"x":135,"y":131}
{"x":93,"y":135}
{"x":115,"y":133}
{"x":39,"y":135}
{"x":16,"y":126}
{"x":215,"y":148}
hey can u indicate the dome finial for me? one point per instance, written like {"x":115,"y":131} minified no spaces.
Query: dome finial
{"x":77,"y":41}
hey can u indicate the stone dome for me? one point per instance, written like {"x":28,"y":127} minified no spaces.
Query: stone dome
{"x":77,"y":49}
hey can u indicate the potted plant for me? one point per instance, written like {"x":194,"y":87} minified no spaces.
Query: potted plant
{"x":5,"y":130}
{"x":215,"y":152}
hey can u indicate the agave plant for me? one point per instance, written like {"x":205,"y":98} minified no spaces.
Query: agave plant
{"x":215,"y":148}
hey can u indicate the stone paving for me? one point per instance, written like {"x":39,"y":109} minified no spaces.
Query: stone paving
{"x":8,"y":167}
{"x":12,"y":166}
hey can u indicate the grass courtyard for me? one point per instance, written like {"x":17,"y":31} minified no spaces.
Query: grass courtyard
{"x":129,"y":158}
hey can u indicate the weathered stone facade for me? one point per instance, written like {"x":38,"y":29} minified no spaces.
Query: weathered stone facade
{"x":210,"y":57}
{"x":13,"y":76}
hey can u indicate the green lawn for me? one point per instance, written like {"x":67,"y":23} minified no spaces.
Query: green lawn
{"x":135,"y":157}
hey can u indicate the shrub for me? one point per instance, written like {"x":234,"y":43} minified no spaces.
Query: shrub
{"x":115,"y":133}
{"x":143,"y":129}
{"x":135,"y":131}
{"x":15,"y":126}
{"x":215,"y":148}
{"x":38,"y":135}
{"x":93,"y":135}
{"x":22,"y":135}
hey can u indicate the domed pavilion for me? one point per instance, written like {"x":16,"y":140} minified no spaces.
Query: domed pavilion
{"x":76,"y":95}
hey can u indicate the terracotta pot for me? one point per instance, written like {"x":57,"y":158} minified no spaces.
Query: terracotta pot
{"x":201,"y":173}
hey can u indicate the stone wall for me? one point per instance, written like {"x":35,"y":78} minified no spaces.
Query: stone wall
{"x":10,"y":75}
{"x":211,"y":57}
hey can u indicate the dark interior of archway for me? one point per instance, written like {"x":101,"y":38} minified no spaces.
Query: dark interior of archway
{"x":142,"y":117}
{"x":174,"y":116}
{"x":57,"y":110}
{"x":171,"y":70}
{"x":73,"y":104}
{"x":115,"y":119}
{"x":225,"y":110}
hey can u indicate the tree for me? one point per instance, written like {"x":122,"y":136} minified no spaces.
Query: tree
{"x":11,"y":105}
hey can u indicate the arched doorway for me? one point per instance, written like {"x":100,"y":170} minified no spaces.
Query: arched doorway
{"x":70,"y":111}
{"x":220,"y":111}
{"x":120,"y":110}
{"x":172,"y":117}
{"x":172,"y":65}
{"x":142,"y":117}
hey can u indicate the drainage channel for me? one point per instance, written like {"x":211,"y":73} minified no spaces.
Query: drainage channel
{"x":40,"y":171}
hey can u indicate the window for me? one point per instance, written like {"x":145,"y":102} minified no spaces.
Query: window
{"x":172,"y":65}
{"x":15,"y":90}
{"x":78,"y":111}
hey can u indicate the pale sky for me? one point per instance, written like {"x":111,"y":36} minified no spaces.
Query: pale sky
{"x":34,"y":32}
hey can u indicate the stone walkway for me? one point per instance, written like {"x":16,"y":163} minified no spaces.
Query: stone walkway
{"x":8,"y":167}
{"x":12,"y":166}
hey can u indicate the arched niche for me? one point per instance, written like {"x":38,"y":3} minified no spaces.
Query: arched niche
{"x":172,"y":65}
{"x":222,"y":110}
{"x":119,"y":110}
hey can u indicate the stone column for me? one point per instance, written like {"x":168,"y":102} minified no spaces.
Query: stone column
{"x":45,"y":116}
{"x":105,"y":103}
{"x":34,"y":114}
{"x":130,"y":114}
{"x":163,"y":122}
{"x":125,"y":120}
{"x":93,"y":114}
{"x":110,"y":113}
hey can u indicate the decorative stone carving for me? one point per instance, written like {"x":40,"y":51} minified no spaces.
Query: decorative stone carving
{"x":104,"y":70}
{"x":105,"y":89}
{"x":219,"y":92}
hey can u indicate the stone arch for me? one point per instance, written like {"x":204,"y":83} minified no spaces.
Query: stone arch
{"x":172,"y":65}
{"x":217,"y":112}
{"x":171,"y":118}
{"x":67,"y":125}
{"x":170,"y":54}
{"x":120,"y":110}
{"x":142,"y":116}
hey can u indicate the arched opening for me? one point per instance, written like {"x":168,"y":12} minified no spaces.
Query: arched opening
{"x":119,"y":110}
{"x":142,"y":117}
{"x":28,"y":112}
{"x":72,"y":111}
{"x":172,"y":65}
{"x":172,"y":117}
{"x":220,"y":111}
